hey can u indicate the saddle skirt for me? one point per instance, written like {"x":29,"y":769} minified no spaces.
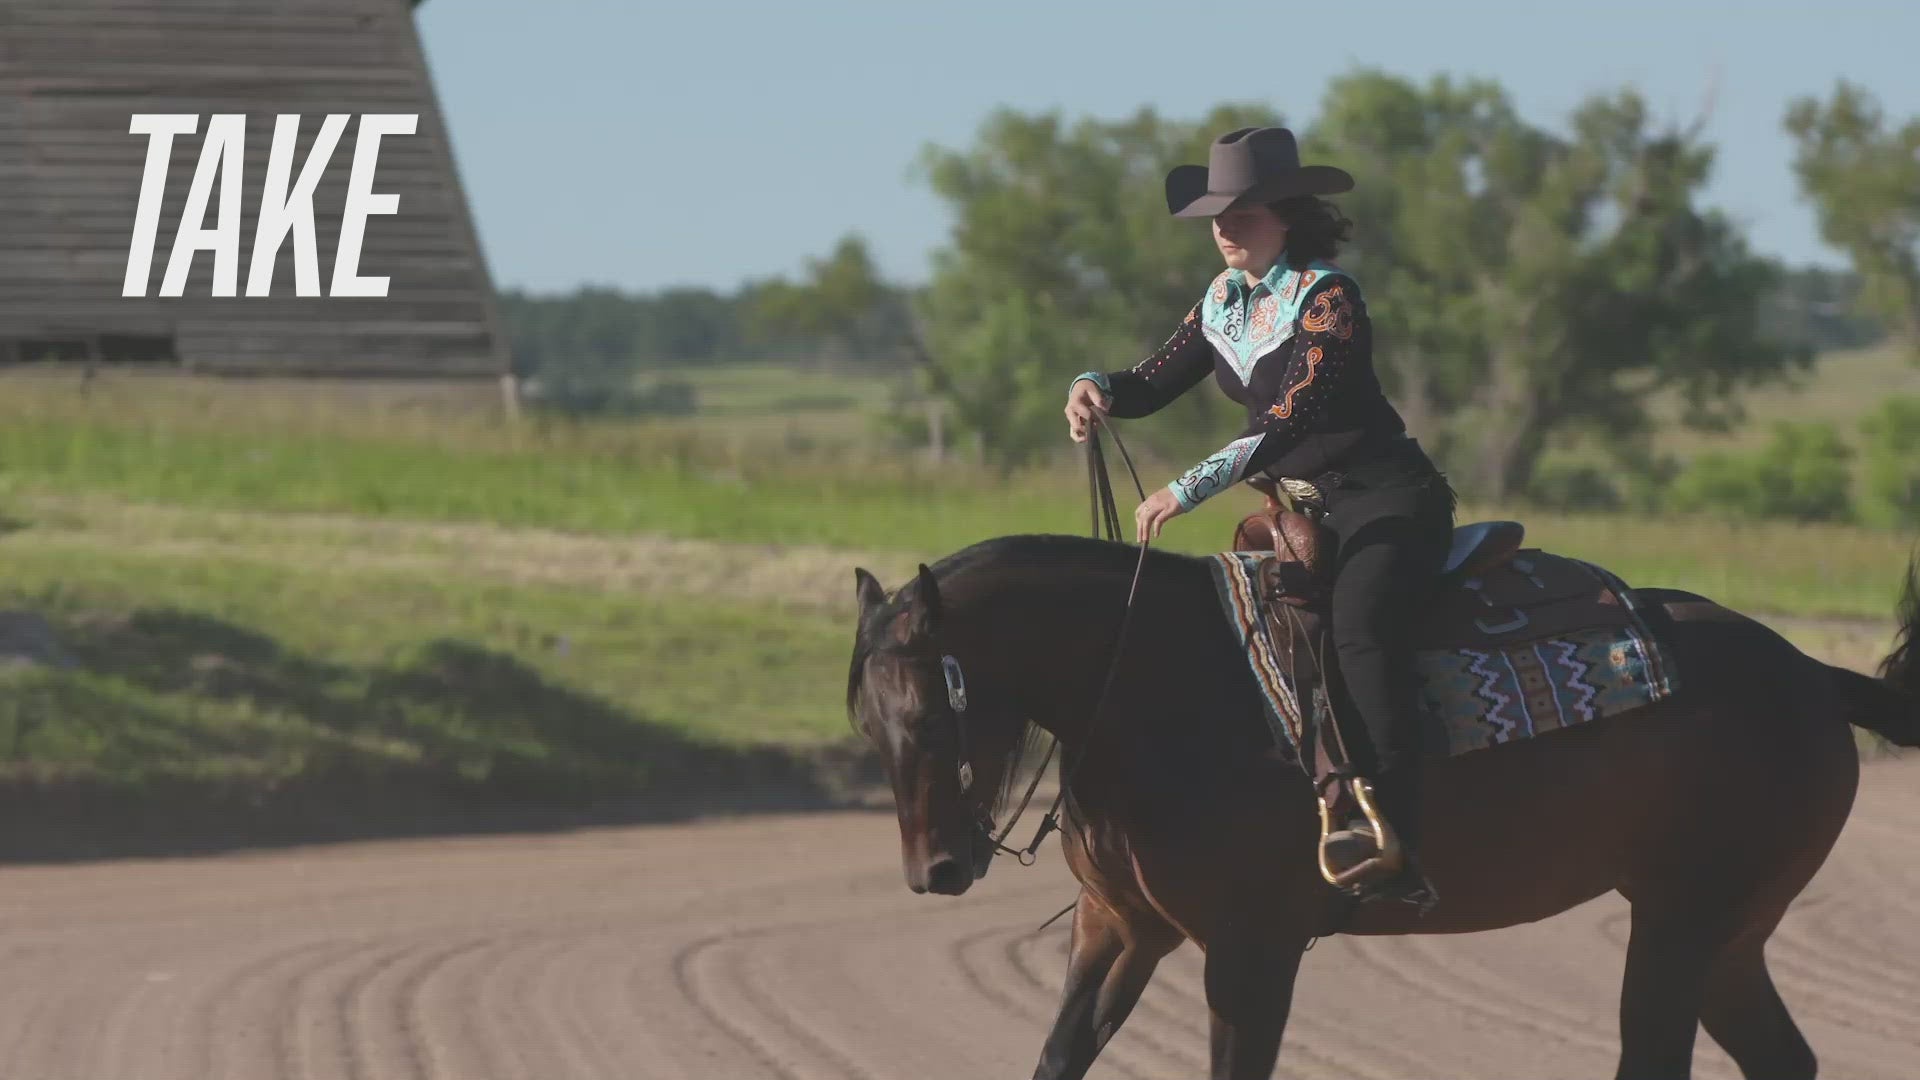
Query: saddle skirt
{"x":1535,"y":644}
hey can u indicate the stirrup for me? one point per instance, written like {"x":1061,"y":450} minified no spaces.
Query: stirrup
{"x":1389,"y":858}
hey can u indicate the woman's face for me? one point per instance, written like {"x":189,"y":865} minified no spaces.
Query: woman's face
{"x":1250,"y":238}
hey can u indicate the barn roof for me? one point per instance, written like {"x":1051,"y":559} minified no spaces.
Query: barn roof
{"x":73,"y":72}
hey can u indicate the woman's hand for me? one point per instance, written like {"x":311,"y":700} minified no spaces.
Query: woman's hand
{"x":1086,"y":409}
{"x":1160,"y":508}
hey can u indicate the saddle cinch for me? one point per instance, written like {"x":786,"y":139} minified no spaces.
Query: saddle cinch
{"x":1492,"y":594}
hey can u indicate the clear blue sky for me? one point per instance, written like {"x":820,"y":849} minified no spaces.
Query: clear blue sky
{"x":646,"y":144}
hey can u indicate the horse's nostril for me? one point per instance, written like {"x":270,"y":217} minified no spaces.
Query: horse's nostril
{"x":947,"y":877}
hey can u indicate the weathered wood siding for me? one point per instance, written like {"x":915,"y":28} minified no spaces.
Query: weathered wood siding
{"x":72,"y":74}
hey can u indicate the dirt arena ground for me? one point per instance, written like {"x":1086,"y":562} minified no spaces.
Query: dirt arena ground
{"x":788,"y":946}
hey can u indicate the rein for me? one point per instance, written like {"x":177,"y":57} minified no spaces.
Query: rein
{"x":1106,"y":520}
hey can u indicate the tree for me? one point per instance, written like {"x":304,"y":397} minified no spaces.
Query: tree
{"x":606,"y":327}
{"x":1863,"y":177}
{"x":1062,"y":259}
{"x":1800,"y":474}
{"x":1524,"y":285}
{"x":1890,"y":488}
{"x":1530,"y":285}
{"x":842,"y":302}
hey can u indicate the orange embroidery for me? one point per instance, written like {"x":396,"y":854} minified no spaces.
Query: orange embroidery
{"x":1332,"y":313}
{"x":1285,"y":408}
{"x":1263,"y":315}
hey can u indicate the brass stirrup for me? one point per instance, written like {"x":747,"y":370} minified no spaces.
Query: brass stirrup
{"x":1367,"y":872}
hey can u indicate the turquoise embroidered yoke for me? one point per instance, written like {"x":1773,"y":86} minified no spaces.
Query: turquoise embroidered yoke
{"x":1294,"y":347}
{"x":1246,"y":322}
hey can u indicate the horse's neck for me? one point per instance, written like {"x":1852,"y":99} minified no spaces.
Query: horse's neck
{"x":1054,"y":639}
{"x":1051,"y":642}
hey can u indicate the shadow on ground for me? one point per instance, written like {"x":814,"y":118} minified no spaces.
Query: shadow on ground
{"x":198,"y":735}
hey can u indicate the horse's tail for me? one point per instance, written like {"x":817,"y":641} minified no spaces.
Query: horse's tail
{"x":1890,"y":705}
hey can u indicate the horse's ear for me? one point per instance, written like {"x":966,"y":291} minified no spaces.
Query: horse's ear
{"x":867,"y":587}
{"x":923,"y":609}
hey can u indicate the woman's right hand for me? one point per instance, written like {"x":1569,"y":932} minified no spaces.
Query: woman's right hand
{"x":1086,"y":409}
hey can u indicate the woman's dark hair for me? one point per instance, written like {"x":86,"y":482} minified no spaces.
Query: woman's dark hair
{"x":1315,"y":229}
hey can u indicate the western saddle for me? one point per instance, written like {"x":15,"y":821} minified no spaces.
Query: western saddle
{"x":1297,"y":539}
{"x":1299,"y":576}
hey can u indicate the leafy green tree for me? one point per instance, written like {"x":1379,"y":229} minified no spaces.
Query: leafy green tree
{"x":1863,"y":176}
{"x":1801,"y":473}
{"x":1063,"y":259}
{"x":1524,"y":285}
{"x":1530,"y":285}
{"x":843,"y":304}
{"x":602,"y":326}
{"x":1890,"y":491}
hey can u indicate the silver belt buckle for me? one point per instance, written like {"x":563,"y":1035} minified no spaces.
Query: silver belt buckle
{"x":1306,"y":495}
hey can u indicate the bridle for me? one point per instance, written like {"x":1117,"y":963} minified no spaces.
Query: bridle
{"x":1106,"y":518}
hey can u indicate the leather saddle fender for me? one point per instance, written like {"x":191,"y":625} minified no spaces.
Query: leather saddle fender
{"x":1303,"y":548}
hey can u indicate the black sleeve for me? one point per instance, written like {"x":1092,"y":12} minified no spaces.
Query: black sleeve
{"x":1173,"y":369}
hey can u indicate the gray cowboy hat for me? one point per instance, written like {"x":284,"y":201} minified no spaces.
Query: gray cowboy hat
{"x":1247,"y":166}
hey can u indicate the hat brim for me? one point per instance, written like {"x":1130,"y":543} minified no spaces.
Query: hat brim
{"x":1188,"y":197}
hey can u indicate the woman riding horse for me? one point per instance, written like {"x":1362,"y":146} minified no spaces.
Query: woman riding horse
{"x":1286,"y":334}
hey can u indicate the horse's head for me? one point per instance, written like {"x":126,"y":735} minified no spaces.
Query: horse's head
{"x":946,"y":747}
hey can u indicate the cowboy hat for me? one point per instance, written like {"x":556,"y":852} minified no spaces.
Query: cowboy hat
{"x":1246,"y":166}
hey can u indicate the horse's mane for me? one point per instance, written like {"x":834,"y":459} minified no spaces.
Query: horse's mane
{"x":1001,"y":554}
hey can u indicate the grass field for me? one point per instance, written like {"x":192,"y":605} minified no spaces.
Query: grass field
{"x":266,"y":583}
{"x":1840,"y":389}
{"x":171,"y":445}
{"x":256,"y":651}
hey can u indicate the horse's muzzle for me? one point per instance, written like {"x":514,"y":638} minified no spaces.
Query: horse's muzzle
{"x":948,"y":877}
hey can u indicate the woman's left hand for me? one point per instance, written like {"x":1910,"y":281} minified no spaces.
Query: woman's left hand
{"x":1160,"y":508}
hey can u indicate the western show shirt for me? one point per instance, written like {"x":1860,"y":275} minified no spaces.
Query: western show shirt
{"x":1296,"y":348}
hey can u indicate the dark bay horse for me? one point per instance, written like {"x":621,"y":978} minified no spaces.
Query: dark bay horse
{"x":1708,"y":811}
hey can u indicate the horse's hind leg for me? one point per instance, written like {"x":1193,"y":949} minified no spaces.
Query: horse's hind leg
{"x":1112,"y":958}
{"x":1744,"y":1014}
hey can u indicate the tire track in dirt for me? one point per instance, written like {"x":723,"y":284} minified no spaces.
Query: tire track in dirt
{"x":566,"y":979}
{"x":441,"y":1012}
{"x":989,"y":960}
{"x":31,"y":1019}
{"x":708,"y":973}
{"x":1171,"y":1018}
{"x":784,"y":948}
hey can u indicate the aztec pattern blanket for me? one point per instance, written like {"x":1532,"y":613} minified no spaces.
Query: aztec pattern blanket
{"x":1474,"y":697}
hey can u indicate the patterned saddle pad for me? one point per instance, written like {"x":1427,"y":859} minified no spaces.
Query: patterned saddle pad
{"x":1537,"y":645}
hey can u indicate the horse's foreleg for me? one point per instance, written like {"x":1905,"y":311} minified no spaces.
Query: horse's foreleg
{"x":1661,"y":996}
{"x":1249,"y":992}
{"x":1109,"y":964}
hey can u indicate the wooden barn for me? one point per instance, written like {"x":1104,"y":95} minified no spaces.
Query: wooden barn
{"x":72,"y":75}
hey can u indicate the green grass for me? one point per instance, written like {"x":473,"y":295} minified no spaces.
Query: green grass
{"x":779,"y":392}
{"x":1840,"y":388}
{"x":679,"y":480}
{"x":268,"y":584}
{"x":233,"y":665}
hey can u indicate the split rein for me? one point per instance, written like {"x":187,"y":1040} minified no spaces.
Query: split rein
{"x":1106,"y":524}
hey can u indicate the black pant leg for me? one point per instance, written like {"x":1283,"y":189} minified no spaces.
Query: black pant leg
{"x":1391,"y":547}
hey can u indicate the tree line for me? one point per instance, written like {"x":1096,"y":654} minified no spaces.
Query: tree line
{"x":840,"y":310}
{"x":1529,"y":286}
